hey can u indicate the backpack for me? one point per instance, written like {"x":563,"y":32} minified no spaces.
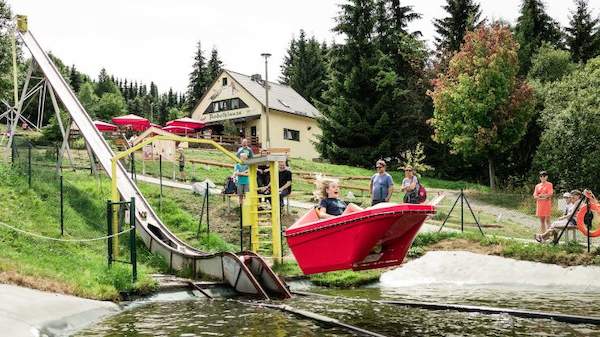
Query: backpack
{"x":422,"y":194}
{"x":229,"y":186}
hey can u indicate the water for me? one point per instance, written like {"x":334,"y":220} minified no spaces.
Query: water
{"x":445,"y":277}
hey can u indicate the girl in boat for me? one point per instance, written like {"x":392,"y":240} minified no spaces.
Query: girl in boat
{"x":331,"y":205}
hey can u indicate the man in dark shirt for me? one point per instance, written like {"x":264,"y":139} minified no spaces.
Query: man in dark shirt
{"x":285,"y":183}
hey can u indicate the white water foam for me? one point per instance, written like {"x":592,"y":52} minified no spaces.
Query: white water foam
{"x":459,"y":268}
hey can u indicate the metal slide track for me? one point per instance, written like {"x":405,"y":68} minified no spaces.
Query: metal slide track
{"x":227,"y":267}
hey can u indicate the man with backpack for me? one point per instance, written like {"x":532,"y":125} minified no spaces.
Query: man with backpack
{"x":382,"y":185}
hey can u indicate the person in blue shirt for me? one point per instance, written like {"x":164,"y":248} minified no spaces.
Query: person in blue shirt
{"x":241,"y":172}
{"x":382,"y":185}
{"x":331,"y":205}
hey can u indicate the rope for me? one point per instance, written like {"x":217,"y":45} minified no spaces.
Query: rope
{"x":64,"y":240}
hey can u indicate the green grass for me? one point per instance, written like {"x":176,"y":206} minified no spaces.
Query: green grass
{"x":568,"y":254}
{"x":76,"y":268}
{"x":337,"y":279}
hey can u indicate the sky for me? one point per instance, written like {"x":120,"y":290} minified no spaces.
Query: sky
{"x":152,"y":40}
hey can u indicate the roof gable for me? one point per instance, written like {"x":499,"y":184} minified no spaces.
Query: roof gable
{"x":281,"y":97}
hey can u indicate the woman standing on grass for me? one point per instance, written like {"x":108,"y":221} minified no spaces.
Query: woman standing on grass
{"x":543,"y":196}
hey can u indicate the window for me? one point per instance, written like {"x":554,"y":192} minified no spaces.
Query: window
{"x":224,"y":81}
{"x":253,"y":131}
{"x":224,"y":105}
{"x":290,"y":134}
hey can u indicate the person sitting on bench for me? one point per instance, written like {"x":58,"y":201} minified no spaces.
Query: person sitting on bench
{"x":572,"y":201}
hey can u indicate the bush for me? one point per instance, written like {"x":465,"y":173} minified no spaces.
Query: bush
{"x":569,"y":148}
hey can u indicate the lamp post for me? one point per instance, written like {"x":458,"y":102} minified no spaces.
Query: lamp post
{"x":268,"y":138}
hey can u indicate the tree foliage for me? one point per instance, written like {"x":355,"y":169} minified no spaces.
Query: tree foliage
{"x":366,"y":109}
{"x":6,"y":81}
{"x":583,"y":33}
{"x":464,"y":16}
{"x":110,"y":105}
{"x":214,"y":65}
{"x":481,"y":108}
{"x":550,"y":64}
{"x":304,"y":67}
{"x":569,"y":147}
{"x":533,"y":28}
{"x":199,"y":78}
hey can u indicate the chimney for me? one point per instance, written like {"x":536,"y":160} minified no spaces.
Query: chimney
{"x":256,"y":78}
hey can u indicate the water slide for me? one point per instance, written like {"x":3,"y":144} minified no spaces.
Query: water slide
{"x":246,"y":272}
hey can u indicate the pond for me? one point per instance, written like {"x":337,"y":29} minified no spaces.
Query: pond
{"x":189,"y":316}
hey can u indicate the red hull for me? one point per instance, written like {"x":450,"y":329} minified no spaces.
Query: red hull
{"x":347,"y":241}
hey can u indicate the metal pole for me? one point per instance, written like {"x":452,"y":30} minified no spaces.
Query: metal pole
{"x":207,"y":212}
{"x":241,"y":232}
{"x":160,"y":179}
{"x":473,"y":214}
{"x":449,"y":213}
{"x":268,"y":138}
{"x":109,"y":215}
{"x":62,"y":207}
{"x":132,"y":242}
{"x":201,"y":216}
{"x":462,"y":211}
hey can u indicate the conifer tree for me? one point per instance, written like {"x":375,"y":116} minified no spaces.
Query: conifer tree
{"x":288,"y":60}
{"x":74,"y":79}
{"x":214,"y":66}
{"x":125,"y":90}
{"x":199,"y":79}
{"x":464,"y":16}
{"x":533,"y":27}
{"x":305,"y":70}
{"x":360,"y":107}
{"x":105,"y":85}
{"x":153,"y":91}
{"x":583,"y":33}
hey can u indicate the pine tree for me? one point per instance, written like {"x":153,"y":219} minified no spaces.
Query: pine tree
{"x":153,"y":91}
{"x":533,"y":27}
{"x":464,"y":17}
{"x":359,"y":106}
{"x":305,"y":68}
{"x":105,"y":85}
{"x":171,"y":99}
{"x":75,"y":79}
{"x":199,"y":79}
{"x":288,"y":60}
{"x":214,"y":65}
{"x":583,"y":34}
{"x":125,"y":91}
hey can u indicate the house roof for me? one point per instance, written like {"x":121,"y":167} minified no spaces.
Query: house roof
{"x":281,"y":97}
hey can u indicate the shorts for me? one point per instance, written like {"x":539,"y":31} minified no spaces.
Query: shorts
{"x":181,"y":167}
{"x":242,"y":189}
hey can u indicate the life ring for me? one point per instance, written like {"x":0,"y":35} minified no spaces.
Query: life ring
{"x":580,"y":216}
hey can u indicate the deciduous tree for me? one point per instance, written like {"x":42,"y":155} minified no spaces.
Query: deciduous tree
{"x":481,"y":107}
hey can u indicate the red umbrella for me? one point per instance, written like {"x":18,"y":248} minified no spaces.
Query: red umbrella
{"x":137,"y":123}
{"x":187,"y":122}
{"x":105,"y":127}
{"x":181,"y":130}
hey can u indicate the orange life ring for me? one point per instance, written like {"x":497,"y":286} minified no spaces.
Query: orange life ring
{"x":581,"y":226}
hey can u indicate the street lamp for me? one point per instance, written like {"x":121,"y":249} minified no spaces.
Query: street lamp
{"x":266,"y":56}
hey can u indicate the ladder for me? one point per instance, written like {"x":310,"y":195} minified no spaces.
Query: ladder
{"x":264,"y":220}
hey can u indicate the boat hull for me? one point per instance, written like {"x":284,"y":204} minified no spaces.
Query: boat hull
{"x":376,"y":237}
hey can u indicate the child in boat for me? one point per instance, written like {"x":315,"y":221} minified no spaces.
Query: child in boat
{"x":330,"y":205}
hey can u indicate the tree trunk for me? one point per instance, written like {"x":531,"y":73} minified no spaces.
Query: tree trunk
{"x":492,"y":172}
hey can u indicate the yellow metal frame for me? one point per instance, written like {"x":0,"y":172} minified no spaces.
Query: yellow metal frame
{"x":250,"y":212}
{"x":115,"y":191}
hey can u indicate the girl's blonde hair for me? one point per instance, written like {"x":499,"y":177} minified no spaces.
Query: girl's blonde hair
{"x":322,"y":183}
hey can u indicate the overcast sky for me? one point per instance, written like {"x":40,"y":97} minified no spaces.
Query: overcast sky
{"x":155,"y":40}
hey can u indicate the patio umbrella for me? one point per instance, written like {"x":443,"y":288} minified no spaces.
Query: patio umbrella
{"x":180,"y":130}
{"x":137,"y":123}
{"x":105,"y":127}
{"x":186,"y":122}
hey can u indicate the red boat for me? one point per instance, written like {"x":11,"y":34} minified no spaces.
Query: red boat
{"x":375,"y":237}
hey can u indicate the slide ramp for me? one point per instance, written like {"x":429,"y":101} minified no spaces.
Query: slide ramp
{"x":228,"y":267}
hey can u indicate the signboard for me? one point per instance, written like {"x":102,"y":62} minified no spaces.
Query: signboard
{"x":223,"y":115}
